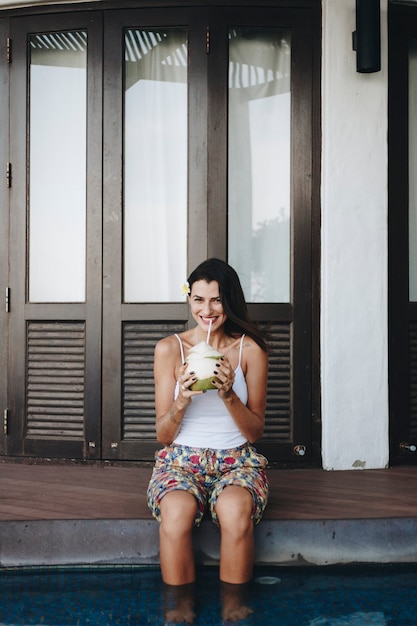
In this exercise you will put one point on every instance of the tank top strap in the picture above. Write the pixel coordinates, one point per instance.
(240, 349)
(181, 348)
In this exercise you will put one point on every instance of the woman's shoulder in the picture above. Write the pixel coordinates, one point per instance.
(171, 345)
(167, 346)
(252, 350)
(249, 342)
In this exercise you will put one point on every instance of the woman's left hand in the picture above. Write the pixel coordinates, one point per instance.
(224, 377)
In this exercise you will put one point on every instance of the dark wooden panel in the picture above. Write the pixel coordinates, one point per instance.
(413, 381)
(4, 219)
(279, 410)
(55, 386)
(138, 399)
(402, 344)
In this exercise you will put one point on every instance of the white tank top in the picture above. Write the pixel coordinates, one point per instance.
(207, 423)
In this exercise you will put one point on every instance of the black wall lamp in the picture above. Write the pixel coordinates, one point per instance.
(367, 36)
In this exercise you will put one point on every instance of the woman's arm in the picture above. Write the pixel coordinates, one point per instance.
(249, 418)
(169, 412)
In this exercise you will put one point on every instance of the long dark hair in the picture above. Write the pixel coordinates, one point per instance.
(232, 297)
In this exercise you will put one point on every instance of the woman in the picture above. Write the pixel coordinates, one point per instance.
(208, 460)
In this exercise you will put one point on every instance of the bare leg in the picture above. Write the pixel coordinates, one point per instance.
(179, 603)
(237, 550)
(178, 510)
(234, 599)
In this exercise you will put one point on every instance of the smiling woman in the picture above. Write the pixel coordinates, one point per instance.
(208, 461)
(206, 306)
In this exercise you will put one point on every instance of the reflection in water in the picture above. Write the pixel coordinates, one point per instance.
(279, 596)
(179, 603)
(235, 606)
(180, 600)
(270, 600)
(235, 600)
(359, 618)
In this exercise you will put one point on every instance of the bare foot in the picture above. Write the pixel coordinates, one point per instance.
(180, 616)
(179, 603)
(234, 608)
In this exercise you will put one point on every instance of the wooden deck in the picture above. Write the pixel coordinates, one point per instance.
(106, 492)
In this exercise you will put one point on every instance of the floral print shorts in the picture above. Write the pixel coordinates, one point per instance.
(205, 473)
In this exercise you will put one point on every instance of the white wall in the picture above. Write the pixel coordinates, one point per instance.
(354, 332)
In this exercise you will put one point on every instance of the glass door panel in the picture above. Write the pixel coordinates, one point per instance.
(259, 161)
(57, 166)
(155, 164)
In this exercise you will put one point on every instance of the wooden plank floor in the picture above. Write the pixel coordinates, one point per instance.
(49, 492)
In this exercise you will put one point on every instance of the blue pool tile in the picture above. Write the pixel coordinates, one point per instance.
(279, 596)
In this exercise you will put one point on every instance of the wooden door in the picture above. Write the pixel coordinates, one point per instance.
(126, 172)
(54, 373)
(402, 233)
(199, 42)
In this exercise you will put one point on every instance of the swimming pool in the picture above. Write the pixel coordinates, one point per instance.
(379, 595)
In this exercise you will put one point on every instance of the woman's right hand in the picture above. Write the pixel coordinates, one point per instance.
(169, 413)
(185, 380)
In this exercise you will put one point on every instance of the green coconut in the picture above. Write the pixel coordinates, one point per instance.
(201, 360)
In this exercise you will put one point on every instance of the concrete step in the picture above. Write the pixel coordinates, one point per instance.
(278, 542)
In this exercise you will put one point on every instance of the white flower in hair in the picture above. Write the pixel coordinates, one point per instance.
(185, 289)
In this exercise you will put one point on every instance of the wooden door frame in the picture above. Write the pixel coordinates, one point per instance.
(402, 26)
(4, 234)
(21, 310)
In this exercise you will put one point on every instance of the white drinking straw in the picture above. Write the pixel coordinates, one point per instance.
(209, 330)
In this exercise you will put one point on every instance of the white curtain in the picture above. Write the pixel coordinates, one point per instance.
(259, 162)
(155, 166)
(57, 167)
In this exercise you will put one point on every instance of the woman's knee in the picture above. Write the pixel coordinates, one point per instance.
(234, 509)
(178, 511)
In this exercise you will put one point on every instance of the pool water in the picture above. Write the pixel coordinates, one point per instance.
(377, 595)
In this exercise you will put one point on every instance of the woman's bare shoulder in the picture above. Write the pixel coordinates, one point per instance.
(168, 346)
(249, 343)
(252, 352)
